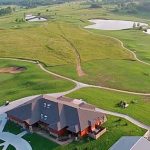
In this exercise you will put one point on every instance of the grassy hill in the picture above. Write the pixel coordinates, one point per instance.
(46, 43)
(60, 44)
(104, 61)
(32, 81)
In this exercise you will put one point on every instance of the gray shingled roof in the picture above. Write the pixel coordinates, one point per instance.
(131, 143)
(57, 113)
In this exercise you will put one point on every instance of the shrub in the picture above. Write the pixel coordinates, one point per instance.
(96, 5)
(134, 102)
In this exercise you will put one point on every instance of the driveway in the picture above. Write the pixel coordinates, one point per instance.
(3, 121)
(11, 139)
(16, 141)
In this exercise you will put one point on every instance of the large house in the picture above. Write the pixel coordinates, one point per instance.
(59, 116)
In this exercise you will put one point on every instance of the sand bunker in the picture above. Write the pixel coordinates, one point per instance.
(12, 70)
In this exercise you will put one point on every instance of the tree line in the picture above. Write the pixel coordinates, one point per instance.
(145, 6)
(32, 3)
(130, 6)
(7, 10)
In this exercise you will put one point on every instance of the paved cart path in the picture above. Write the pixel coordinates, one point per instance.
(16, 141)
(79, 85)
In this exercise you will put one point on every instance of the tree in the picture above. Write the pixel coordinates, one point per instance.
(144, 6)
(134, 25)
(145, 30)
(19, 20)
(39, 15)
(7, 10)
(32, 3)
(138, 24)
(96, 5)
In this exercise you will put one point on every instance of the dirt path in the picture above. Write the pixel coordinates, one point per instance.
(79, 69)
(78, 58)
(79, 85)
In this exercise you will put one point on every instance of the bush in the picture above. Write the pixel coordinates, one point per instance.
(19, 20)
(76, 148)
(134, 102)
(96, 5)
(126, 124)
(7, 10)
(118, 120)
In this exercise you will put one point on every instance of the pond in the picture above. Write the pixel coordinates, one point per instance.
(112, 24)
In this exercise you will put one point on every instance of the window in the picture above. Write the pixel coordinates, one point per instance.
(48, 105)
(44, 104)
(42, 116)
(45, 117)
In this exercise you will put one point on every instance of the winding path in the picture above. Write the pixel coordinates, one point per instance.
(15, 140)
(11, 139)
(134, 121)
(122, 45)
(78, 86)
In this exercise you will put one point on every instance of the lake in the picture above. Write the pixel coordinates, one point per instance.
(112, 24)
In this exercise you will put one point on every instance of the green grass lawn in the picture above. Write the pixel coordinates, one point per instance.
(103, 59)
(46, 44)
(120, 74)
(10, 147)
(116, 128)
(108, 100)
(135, 40)
(30, 82)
